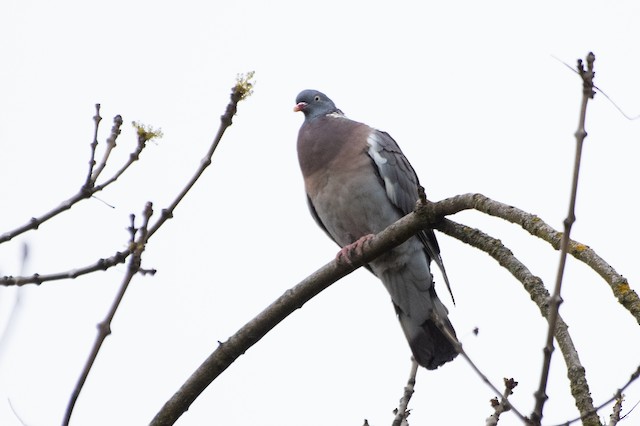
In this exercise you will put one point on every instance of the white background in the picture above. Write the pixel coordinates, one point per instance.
(471, 92)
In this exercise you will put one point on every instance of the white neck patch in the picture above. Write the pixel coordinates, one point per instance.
(336, 115)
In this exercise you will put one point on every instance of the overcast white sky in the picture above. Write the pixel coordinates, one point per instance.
(471, 92)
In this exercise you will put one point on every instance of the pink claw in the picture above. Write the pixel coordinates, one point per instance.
(344, 255)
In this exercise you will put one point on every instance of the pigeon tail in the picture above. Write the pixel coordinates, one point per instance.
(430, 347)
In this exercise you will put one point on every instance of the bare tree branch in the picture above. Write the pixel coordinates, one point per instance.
(617, 395)
(503, 404)
(94, 145)
(100, 265)
(294, 298)
(555, 301)
(240, 91)
(614, 418)
(104, 328)
(539, 294)
(110, 145)
(426, 216)
(402, 412)
(538, 228)
(87, 190)
(136, 246)
(144, 136)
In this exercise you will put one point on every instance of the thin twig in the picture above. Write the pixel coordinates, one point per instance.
(86, 190)
(111, 144)
(402, 412)
(555, 300)
(104, 328)
(100, 265)
(15, 413)
(597, 89)
(240, 91)
(503, 404)
(614, 418)
(618, 394)
(458, 345)
(143, 138)
(92, 159)
(631, 410)
(136, 246)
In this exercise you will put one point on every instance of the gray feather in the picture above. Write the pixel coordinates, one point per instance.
(401, 184)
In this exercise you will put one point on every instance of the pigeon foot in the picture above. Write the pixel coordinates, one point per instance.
(344, 255)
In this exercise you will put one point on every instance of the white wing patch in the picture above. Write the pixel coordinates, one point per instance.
(374, 152)
(375, 148)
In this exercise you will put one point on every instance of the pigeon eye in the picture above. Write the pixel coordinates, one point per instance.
(317, 98)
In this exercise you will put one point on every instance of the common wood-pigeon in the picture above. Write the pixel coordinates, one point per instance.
(358, 182)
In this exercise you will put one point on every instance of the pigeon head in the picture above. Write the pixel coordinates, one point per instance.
(314, 104)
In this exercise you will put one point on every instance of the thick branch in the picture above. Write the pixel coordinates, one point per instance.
(424, 217)
(292, 299)
(618, 395)
(538, 228)
(539, 294)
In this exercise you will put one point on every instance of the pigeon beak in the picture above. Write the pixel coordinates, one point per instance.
(300, 107)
